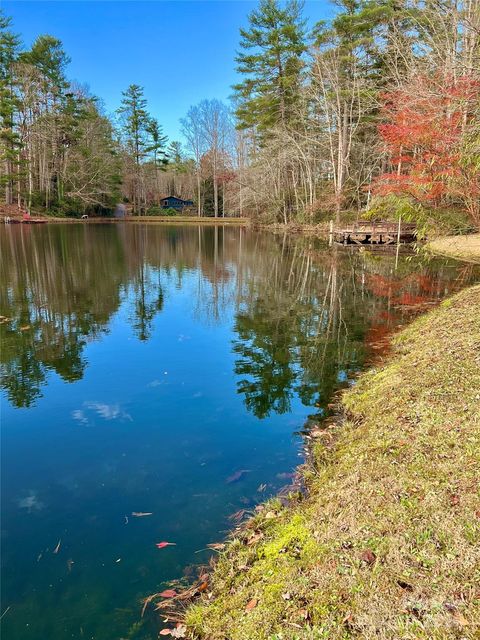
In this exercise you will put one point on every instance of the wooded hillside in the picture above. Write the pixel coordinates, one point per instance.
(376, 112)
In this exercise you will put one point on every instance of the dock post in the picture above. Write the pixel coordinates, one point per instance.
(398, 241)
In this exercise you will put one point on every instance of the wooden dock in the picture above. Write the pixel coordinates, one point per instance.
(378, 233)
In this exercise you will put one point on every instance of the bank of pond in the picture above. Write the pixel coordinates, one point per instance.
(158, 380)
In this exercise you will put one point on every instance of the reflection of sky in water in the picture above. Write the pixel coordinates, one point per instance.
(166, 372)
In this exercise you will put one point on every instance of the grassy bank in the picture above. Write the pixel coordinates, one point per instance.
(462, 247)
(387, 542)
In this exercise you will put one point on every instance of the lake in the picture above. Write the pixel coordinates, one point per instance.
(170, 371)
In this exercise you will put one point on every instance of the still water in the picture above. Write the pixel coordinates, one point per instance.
(169, 371)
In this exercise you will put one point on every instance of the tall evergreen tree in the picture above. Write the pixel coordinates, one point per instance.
(135, 122)
(271, 61)
(9, 138)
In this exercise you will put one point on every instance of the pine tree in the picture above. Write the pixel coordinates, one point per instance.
(271, 61)
(135, 121)
(9, 139)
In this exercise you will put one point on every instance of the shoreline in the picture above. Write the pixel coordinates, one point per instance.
(388, 534)
(466, 248)
(387, 537)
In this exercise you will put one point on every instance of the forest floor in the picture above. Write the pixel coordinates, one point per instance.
(385, 543)
(463, 247)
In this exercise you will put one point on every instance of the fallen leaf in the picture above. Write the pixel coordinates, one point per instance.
(254, 539)
(454, 500)
(238, 515)
(460, 619)
(404, 585)
(179, 632)
(165, 632)
(202, 586)
(302, 613)
(236, 476)
(162, 545)
(368, 556)
(251, 605)
(168, 593)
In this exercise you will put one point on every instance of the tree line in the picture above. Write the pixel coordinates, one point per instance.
(61, 153)
(375, 112)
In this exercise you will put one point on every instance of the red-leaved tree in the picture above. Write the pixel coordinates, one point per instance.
(431, 133)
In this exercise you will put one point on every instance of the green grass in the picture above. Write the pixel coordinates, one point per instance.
(387, 542)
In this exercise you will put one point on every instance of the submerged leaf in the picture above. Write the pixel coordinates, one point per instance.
(162, 545)
(237, 476)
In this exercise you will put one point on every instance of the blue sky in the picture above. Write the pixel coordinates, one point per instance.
(179, 51)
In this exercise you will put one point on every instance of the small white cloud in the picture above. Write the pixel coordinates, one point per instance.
(31, 502)
(79, 416)
(105, 411)
(156, 383)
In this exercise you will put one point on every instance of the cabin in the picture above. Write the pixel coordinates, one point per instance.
(172, 202)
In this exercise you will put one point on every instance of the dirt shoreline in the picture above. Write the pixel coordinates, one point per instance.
(465, 248)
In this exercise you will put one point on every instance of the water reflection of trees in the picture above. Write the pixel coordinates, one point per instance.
(316, 314)
(301, 313)
(57, 290)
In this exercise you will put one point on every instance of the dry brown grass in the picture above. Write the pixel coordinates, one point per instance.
(461, 247)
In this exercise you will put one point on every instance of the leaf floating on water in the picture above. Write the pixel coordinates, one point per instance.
(57, 548)
(162, 545)
(165, 632)
(238, 515)
(141, 514)
(118, 560)
(6, 611)
(179, 632)
(202, 587)
(168, 593)
(237, 476)
(251, 605)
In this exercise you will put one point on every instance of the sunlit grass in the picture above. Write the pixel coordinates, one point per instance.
(387, 543)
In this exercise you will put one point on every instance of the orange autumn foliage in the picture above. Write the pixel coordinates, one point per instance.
(430, 133)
